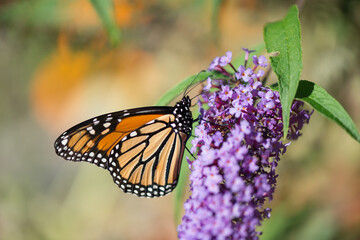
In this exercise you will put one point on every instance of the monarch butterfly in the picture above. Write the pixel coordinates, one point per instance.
(142, 148)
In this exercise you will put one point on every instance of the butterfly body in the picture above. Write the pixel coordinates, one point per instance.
(142, 148)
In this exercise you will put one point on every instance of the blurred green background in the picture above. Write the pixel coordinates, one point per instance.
(59, 66)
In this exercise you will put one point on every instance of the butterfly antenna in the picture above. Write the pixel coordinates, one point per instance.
(195, 96)
(196, 86)
(197, 75)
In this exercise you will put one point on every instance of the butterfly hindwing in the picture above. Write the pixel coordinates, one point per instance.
(147, 161)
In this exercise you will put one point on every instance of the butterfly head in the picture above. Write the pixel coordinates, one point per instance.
(183, 116)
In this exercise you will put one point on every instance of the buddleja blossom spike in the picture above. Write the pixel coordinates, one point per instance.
(238, 148)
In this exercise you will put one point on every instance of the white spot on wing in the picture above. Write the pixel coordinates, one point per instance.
(152, 121)
(106, 125)
(64, 142)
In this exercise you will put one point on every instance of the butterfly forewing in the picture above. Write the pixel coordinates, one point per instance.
(93, 139)
(142, 148)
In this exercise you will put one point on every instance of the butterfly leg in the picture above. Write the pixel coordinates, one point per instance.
(190, 152)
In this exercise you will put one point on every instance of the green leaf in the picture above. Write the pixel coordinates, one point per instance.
(284, 38)
(324, 103)
(180, 190)
(183, 85)
(104, 9)
(184, 176)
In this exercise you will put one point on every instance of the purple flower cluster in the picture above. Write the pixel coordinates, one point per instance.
(238, 144)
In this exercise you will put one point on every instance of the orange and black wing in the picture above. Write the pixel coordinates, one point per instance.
(147, 161)
(92, 140)
(139, 147)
